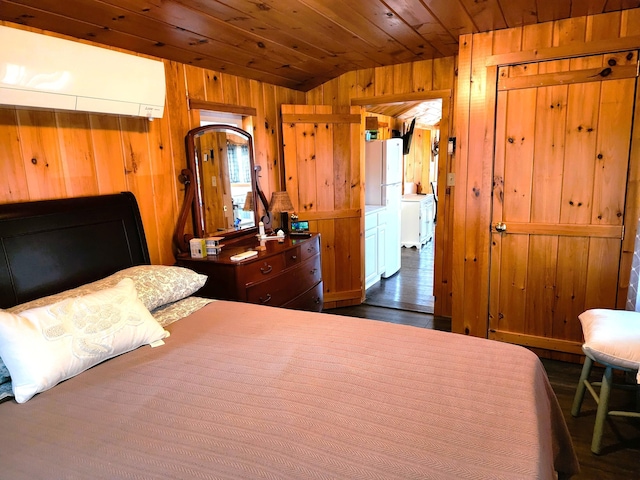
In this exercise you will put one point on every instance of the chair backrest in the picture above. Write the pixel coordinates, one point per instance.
(633, 302)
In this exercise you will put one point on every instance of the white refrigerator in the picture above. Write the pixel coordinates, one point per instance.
(383, 186)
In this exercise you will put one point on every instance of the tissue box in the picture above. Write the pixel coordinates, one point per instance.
(198, 248)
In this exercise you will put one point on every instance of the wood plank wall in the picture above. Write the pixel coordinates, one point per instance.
(48, 154)
(421, 76)
(418, 163)
(474, 112)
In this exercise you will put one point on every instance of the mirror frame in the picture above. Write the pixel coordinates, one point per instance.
(193, 191)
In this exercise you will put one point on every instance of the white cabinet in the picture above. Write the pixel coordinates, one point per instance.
(417, 220)
(374, 238)
(382, 239)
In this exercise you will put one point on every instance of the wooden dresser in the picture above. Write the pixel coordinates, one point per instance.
(286, 274)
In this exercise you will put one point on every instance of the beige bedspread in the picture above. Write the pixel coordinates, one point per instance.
(241, 391)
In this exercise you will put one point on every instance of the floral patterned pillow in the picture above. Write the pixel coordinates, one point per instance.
(157, 285)
(167, 314)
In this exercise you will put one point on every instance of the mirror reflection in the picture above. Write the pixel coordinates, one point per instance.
(222, 166)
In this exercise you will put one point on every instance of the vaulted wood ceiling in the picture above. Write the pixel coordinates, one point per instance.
(293, 43)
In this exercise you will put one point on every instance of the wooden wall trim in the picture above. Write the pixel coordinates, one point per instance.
(354, 213)
(567, 78)
(567, 230)
(443, 231)
(319, 118)
(343, 295)
(195, 104)
(567, 51)
(401, 97)
(632, 209)
(461, 159)
(534, 341)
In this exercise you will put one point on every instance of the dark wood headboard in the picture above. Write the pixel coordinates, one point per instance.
(53, 245)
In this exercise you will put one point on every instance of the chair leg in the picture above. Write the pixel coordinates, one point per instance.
(603, 409)
(584, 376)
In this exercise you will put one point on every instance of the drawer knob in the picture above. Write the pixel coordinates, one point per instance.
(266, 269)
(310, 249)
(294, 257)
(266, 299)
(313, 270)
(316, 300)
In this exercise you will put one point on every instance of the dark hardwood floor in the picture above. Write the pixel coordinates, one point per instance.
(412, 287)
(621, 456)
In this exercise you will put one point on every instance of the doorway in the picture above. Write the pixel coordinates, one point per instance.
(412, 287)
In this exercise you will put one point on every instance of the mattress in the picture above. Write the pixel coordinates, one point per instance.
(244, 391)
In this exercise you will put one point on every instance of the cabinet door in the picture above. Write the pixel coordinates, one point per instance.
(382, 243)
(424, 219)
(370, 257)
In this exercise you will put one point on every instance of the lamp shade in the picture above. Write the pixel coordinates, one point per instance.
(248, 202)
(280, 202)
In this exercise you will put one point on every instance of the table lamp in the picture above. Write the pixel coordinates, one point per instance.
(281, 203)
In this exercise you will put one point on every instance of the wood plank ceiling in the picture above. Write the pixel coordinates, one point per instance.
(298, 44)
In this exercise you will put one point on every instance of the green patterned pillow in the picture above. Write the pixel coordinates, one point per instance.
(157, 285)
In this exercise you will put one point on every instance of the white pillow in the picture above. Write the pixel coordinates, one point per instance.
(612, 336)
(46, 345)
(156, 285)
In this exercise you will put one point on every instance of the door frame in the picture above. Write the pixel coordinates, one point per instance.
(443, 235)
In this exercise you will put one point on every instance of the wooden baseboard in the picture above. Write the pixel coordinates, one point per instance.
(554, 344)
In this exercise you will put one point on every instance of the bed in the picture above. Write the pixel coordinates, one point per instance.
(239, 390)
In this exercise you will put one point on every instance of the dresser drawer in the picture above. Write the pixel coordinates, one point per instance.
(311, 300)
(261, 269)
(310, 248)
(293, 257)
(290, 283)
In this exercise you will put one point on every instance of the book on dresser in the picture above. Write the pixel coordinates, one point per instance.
(284, 273)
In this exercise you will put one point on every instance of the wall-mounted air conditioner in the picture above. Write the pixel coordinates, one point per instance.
(48, 72)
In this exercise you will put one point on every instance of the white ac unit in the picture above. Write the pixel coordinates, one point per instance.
(48, 72)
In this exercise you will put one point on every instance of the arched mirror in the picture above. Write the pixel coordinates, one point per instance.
(221, 184)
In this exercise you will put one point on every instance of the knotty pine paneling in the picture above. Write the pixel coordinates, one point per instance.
(417, 164)
(421, 76)
(47, 154)
(474, 116)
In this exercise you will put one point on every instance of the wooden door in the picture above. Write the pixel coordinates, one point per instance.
(563, 134)
(323, 176)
